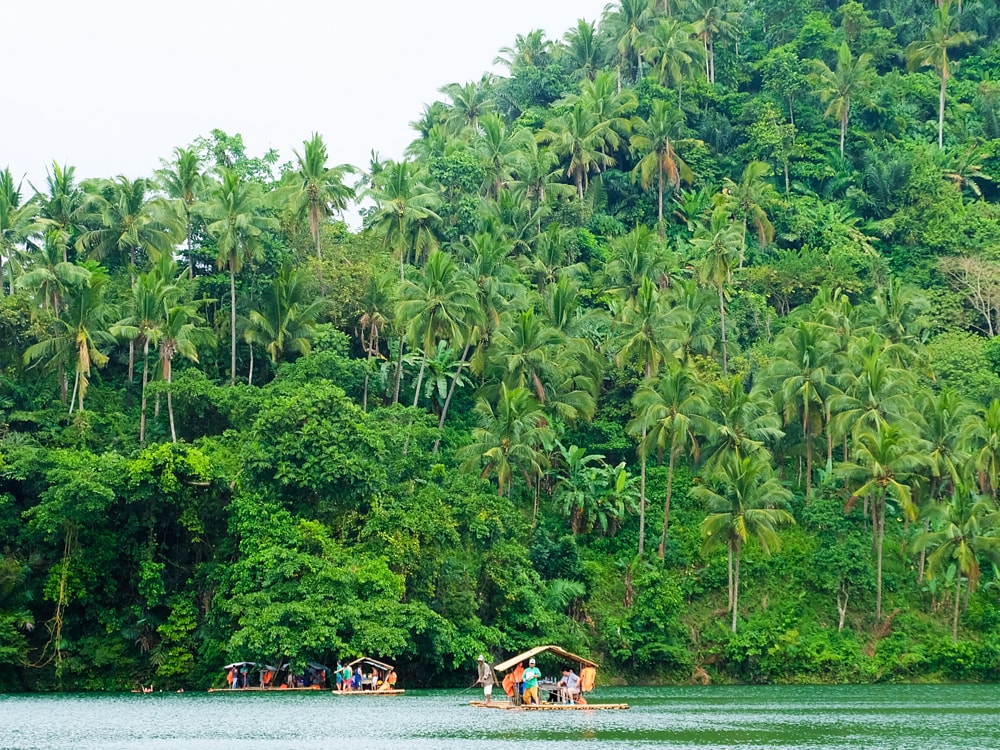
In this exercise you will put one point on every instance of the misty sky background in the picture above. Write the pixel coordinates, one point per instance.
(112, 86)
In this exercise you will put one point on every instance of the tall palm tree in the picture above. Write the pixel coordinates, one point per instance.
(626, 22)
(183, 180)
(932, 51)
(235, 212)
(509, 438)
(584, 48)
(404, 210)
(579, 140)
(672, 48)
(318, 190)
(750, 197)
(284, 322)
(884, 459)
(153, 294)
(968, 528)
(801, 374)
(713, 19)
(469, 102)
(530, 50)
(182, 333)
(744, 501)
(18, 223)
(719, 241)
(126, 221)
(78, 334)
(653, 142)
(742, 422)
(62, 202)
(672, 413)
(498, 148)
(842, 86)
(439, 305)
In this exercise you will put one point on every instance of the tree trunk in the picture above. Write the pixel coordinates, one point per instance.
(842, 597)
(451, 390)
(145, 380)
(76, 386)
(659, 199)
(399, 372)
(923, 554)
(722, 327)
(736, 581)
(944, 85)
(879, 531)
(958, 599)
(232, 321)
(642, 495)
(250, 371)
(420, 380)
(666, 505)
(843, 132)
(170, 402)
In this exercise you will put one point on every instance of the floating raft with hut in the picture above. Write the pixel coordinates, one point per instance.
(381, 681)
(587, 671)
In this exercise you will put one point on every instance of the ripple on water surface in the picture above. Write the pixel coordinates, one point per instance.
(881, 716)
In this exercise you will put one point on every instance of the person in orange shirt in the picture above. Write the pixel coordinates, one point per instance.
(518, 683)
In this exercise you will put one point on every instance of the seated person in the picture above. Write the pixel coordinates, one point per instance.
(569, 686)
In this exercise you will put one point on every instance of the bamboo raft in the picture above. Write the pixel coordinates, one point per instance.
(258, 689)
(508, 706)
(393, 691)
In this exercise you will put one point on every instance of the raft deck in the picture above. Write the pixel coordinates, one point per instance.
(394, 691)
(508, 706)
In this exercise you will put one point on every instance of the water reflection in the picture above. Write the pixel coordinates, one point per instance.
(881, 716)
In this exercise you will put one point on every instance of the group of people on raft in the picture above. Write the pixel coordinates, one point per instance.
(521, 685)
(348, 680)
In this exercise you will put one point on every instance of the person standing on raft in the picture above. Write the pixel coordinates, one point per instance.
(485, 678)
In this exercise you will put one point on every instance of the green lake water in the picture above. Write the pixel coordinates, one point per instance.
(880, 716)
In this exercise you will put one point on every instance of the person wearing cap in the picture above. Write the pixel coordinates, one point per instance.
(531, 677)
(485, 678)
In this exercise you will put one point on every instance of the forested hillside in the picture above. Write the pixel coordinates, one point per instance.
(675, 345)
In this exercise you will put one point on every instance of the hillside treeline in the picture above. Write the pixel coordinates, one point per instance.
(675, 344)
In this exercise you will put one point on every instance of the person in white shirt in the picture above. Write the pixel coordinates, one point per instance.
(569, 686)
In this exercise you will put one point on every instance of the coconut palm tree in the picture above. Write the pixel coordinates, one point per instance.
(78, 334)
(126, 223)
(18, 223)
(967, 529)
(578, 138)
(801, 373)
(932, 51)
(284, 321)
(674, 52)
(744, 501)
(153, 294)
(438, 305)
(184, 180)
(626, 23)
(654, 144)
(842, 86)
(182, 333)
(62, 202)
(884, 459)
(318, 190)
(749, 198)
(719, 240)
(404, 210)
(237, 221)
(741, 422)
(584, 48)
(509, 438)
(671, 411)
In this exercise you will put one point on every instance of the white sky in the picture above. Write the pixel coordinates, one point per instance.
(111, 86)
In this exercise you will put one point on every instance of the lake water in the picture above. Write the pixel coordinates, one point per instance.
(879, 716)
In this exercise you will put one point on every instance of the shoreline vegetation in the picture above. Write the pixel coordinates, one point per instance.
(675, 344)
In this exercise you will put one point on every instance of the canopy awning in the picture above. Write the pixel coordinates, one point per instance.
(371, 662)
(514, 660)
(317, 667)
(251, 664)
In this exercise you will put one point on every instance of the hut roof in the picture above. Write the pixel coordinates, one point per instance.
(371, 662)
(512, 661)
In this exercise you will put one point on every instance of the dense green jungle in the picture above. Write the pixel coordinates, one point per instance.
(675, 345)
